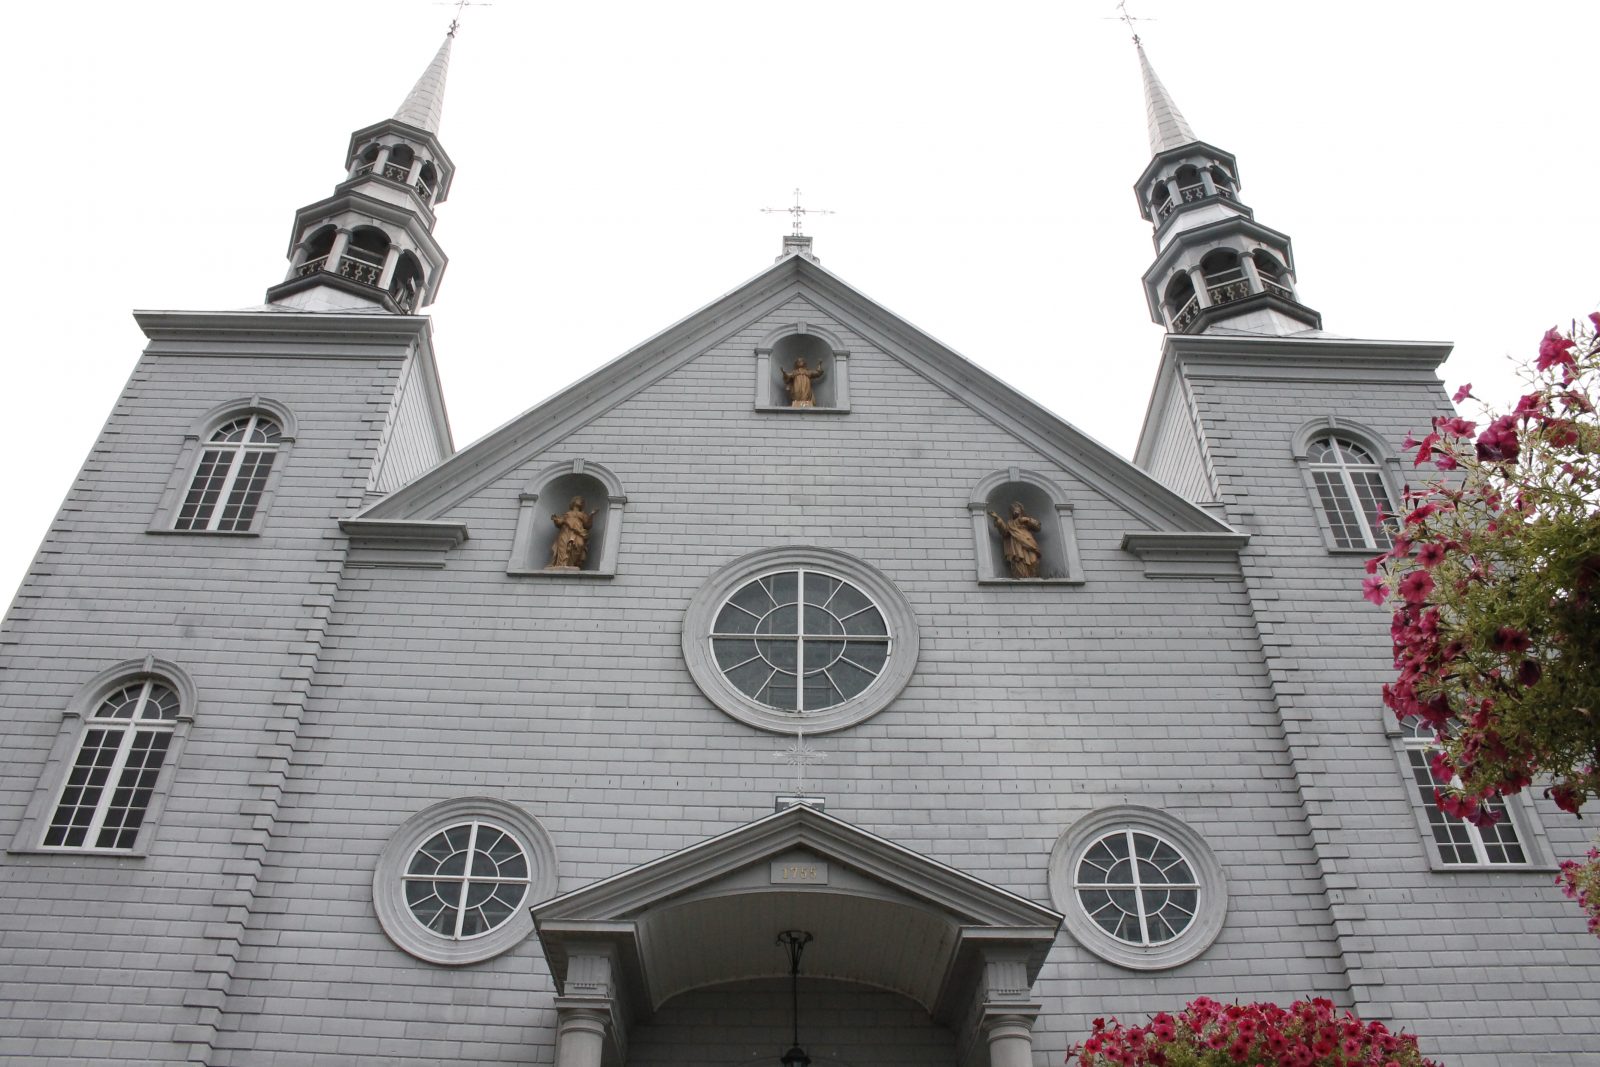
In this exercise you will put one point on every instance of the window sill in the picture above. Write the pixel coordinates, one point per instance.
(167, 530)
(1439, 867)
(546, 572)
(136, 853)
(785, 409)
(1031, 581)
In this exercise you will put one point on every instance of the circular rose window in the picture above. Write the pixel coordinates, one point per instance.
(1137, 887)
(800, 638)
(466, 880)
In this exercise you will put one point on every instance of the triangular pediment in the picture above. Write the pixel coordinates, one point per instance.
(1151, 507)
(880, 914)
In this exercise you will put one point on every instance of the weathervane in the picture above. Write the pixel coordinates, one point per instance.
(797, 211)
(455, 23)
(800, 757)
(1129, 20)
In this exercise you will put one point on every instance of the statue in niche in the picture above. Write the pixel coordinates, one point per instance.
(571, 547)
(1019, 542)
(798, 383)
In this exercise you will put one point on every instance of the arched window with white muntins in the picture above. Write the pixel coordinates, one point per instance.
(1348, 481)
(1456, 842)
(225, 492)
(108, 790)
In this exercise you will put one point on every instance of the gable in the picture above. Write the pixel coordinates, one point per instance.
(792, 287)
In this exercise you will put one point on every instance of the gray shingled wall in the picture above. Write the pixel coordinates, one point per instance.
(118, 959)
(570, 698)
(1490, 966)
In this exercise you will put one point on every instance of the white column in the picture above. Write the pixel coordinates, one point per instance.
(1010, 1040)
(341, 241)
(1205, 180)
(1248, 262)
(388, 267)
(1197, 278)
(580, 1036)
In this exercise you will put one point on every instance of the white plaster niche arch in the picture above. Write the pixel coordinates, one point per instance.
(551, 493)
(822, 350)
(1043, 500)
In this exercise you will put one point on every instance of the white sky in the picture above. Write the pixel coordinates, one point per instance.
(1435, 164)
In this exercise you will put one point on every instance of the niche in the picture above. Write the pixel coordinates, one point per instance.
(821, 384)
(1041, 501)
(552, 494)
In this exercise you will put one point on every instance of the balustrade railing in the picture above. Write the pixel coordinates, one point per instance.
(1186, 314)
(396, 174)
(1276, 289)
(425, 191)
(1191, 193)
(363, 170)
(1228, 291)
(356, 270)
(311, 266)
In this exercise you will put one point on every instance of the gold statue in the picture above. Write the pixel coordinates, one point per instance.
(571, 547)
(1018, 543)
(798, 383)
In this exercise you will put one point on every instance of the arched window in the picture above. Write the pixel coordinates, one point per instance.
(399, 166)
(226, 490)
(107, 792)
(1182, 304)
(427, 182)
(406, 286)
(1453, 842)
(364, 255)
(1349, 486)
(1190, 187)
(1274, 278)
(111, 765)
(1225, 278)
(365, 160)
(317, 247)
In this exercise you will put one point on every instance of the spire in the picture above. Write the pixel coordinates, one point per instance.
(1168, 127)
(425, 103)
(370, 245)
(1215, 265)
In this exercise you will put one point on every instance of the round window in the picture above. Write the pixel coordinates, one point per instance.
(467, 880)
(800, 638)
(1138, 887)
(453, 885)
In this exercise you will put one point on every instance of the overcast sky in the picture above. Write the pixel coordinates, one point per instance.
(1434, 163)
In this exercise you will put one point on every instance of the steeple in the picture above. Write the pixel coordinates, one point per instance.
(370, 245)
(1214, 263)
(1168, 127)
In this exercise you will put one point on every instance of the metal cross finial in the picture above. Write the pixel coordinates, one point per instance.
(455, 23)
(1128, 20)
(797, 211)
(800, 757)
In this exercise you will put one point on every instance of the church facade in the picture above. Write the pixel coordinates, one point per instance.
(329, 743)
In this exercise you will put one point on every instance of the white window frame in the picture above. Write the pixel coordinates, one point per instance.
(77, 719)
(1517, 812)
(195, 444)
(884, 594)
(388, 881)
(1385, 464)
(1211, 904)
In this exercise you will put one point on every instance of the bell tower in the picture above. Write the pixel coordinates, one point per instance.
(371, 244)
(1215, 264)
